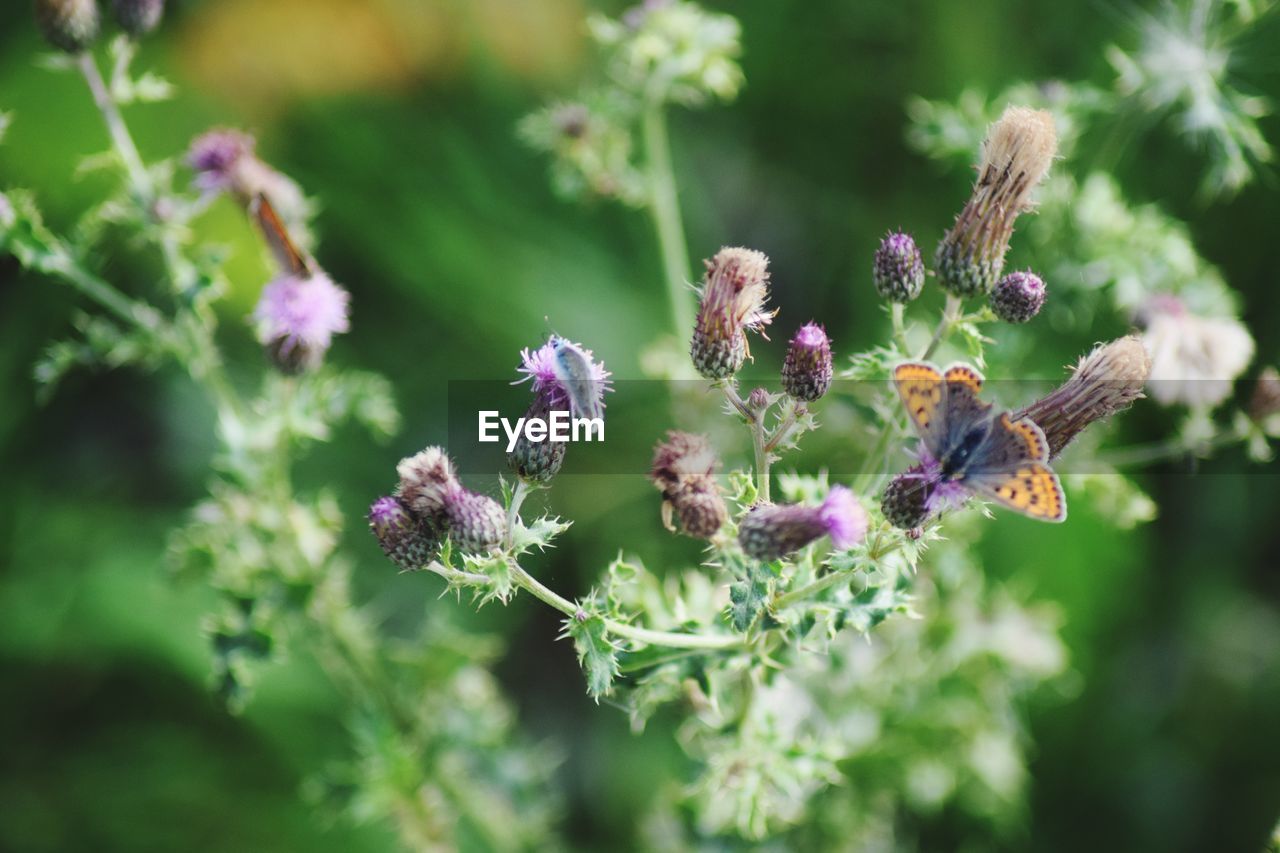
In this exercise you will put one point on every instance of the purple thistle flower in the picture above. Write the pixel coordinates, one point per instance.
(297, 318)
(552, 366)
(733, 295)
(770, 532)
(215, 156)
(919, 492)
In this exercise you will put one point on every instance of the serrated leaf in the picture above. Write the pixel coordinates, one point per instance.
(537, 535)
(597, 653)
(747, 598)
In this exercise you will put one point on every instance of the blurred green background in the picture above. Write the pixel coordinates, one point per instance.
(399, 116)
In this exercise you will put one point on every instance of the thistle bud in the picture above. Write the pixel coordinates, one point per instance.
(1015, 157)
(537, 461)
(297, 318)
(734, 292)
(410, 542)
(758, 400)
(684, 470)
(1265, 401)
(770, 532)
(1105, 381)
(425, 480)
(137, 17)
(898, 270)
(905, 502)
(476, 523)
(1018, 297)
(69, 25)
(806, 372)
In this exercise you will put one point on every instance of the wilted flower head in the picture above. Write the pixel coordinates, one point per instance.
(1015, 156)
(1106, 381)
(68, 25)
(567, 375)
(684, 470)
(409, 541)
(898, 270)
(1194, 359)
(734, 292)
(297, 318)
(770, 532)
(1018, 297)
(137, 17)
(807, 371)
(425, 479)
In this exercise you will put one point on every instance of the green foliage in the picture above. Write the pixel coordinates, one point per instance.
(597, 652)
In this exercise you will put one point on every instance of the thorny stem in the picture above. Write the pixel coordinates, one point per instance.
(121, 140)
(950, 314)
(664, 208)
(518, 495)
(670, 639)
(797, 410)
(759, 441)
(830, 579)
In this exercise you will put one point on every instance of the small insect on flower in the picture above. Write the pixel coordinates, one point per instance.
(968, 445)
(568, 375)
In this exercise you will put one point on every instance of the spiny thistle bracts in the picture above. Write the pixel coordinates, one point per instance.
(919, 492)
(1106, 381)
(734, 292)
(297, 318)
(1016, 155)
(537, 462)
(807, 370)
(684, 470)
(898, 270)
(771, 532)
(476, 523)
(1018, 297)
(406, 539)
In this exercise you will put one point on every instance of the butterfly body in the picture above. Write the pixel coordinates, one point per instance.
(573, 368)
(987, 453)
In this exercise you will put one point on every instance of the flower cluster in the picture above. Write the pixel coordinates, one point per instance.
(430, 491)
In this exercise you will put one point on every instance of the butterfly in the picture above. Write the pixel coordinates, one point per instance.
(990, 455)
(276, 234)
(579, 376)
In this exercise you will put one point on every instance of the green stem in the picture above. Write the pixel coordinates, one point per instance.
(521, 492)
(830, 579)
(950, 314)
(669, 639)
(897, 312)
(1159, 451)
(759, 442)
(121, 140)
(664, 208)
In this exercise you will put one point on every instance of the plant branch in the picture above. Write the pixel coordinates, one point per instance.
(664, 208)
(950, 314)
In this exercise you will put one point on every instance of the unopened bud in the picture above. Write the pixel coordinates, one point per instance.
(1018, 297)
(807, 371)
(137, 17)
(408, 541)
(476, 523)
(69, 25)
(898, 270)
(537, 461)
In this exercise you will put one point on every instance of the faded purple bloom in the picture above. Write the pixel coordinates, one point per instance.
(919, 492)
(770, 532)
(297, 318)
(567, 376)
(216, 155)
(733, 295)
(807, 370)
